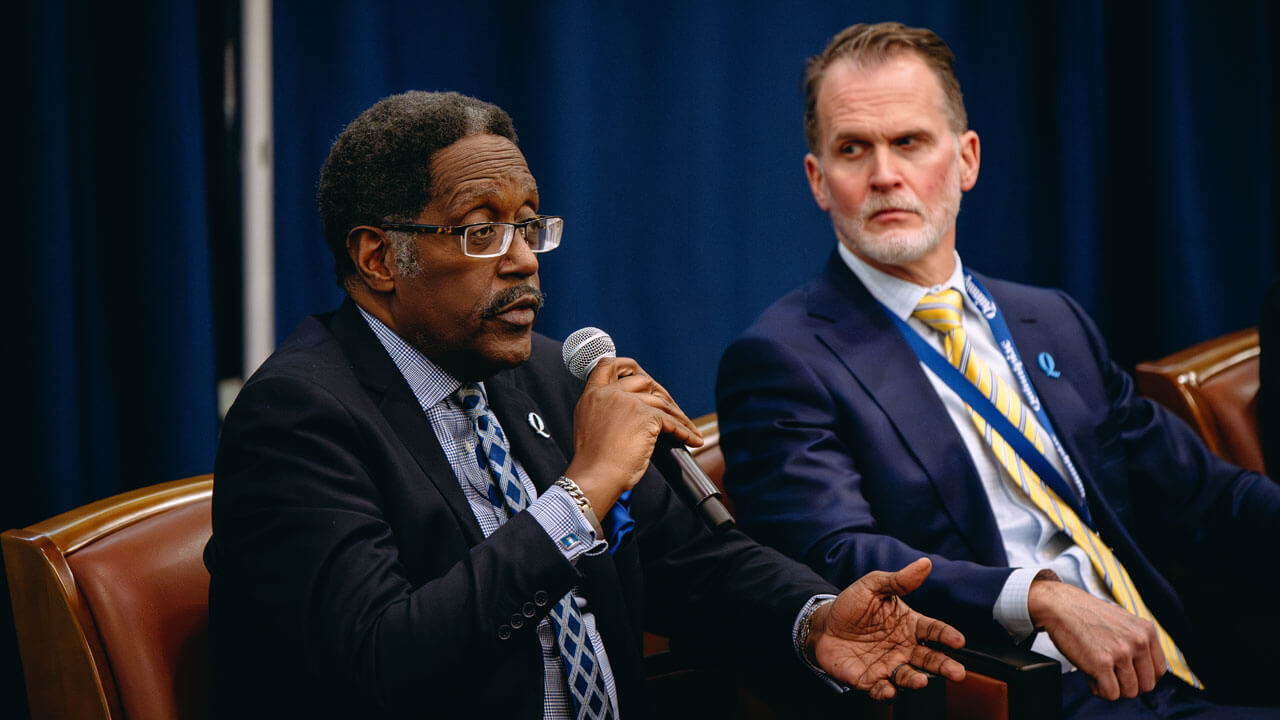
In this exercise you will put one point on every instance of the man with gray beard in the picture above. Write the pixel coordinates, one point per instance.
(901, 404)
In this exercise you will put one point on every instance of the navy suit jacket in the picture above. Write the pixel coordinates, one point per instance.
(351, 579)
(839, 452)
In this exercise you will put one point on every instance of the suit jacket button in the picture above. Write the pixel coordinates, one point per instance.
(504, 632)
(540, 597)
(517, 620)
(528, 609)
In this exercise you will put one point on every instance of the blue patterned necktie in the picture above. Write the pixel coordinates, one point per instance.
(586, 682)
(942, 312)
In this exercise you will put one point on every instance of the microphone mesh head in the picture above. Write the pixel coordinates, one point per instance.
(584, 348)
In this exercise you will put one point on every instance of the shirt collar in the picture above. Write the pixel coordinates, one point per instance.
(900, 296)
(430, 384)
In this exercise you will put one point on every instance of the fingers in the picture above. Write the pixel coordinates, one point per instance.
(951, 670)
(1105, 686)
(937, 631)
(1159, 664)
(605, 372)
(1145, 673)
(937, 663)
(909, 578)
(1127, 679)
(899, 583)
(905, 677)
(1141, 673)
(630, 378)
(882, 690)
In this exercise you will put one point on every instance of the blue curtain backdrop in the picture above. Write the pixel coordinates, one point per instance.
(1128, 153)
(1128, 156)
(112, 382)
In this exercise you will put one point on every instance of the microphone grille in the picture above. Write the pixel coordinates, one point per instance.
(584, 348)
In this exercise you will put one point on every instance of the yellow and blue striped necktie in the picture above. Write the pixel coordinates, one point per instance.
(942, 312)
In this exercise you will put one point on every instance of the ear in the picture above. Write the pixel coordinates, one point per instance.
(970, 159)
(817, 182)
(370, 252)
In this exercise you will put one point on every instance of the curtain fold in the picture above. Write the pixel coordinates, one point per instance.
(116, 376)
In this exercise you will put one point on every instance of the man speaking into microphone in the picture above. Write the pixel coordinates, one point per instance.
(417, 507)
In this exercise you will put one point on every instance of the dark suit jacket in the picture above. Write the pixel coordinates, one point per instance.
(350, 578)
(840, 452)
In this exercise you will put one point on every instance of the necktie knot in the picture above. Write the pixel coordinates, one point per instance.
(940, 311)
(471, 399)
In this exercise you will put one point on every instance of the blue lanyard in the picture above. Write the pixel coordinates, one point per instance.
(975, 399)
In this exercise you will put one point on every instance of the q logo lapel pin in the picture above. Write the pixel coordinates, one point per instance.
(1047, 365)
(539, 427)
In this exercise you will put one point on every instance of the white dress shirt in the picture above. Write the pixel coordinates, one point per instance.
(1031, 541)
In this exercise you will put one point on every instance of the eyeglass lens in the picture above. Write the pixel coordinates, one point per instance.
(492, 239)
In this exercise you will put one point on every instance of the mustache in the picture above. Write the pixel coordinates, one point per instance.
(512, 295)
(880, 204)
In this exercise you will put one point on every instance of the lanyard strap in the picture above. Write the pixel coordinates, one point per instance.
(1000, 330)
(982, 405)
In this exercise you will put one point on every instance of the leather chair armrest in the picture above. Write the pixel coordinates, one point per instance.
(1027, 683)
(927, 703)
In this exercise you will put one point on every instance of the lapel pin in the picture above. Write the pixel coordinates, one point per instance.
(539, 427)
(1046, 364)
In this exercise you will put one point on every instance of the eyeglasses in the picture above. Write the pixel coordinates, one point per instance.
(493, 239)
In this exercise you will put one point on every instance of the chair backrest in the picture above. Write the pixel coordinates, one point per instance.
(110, 603)
(710, 457)
(1214, 387)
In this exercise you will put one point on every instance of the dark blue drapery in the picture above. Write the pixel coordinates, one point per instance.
(1128, 155)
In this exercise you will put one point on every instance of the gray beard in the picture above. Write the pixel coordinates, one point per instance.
(899, 247)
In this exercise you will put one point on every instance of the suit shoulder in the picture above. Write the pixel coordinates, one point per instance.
(1022, 295)
(784, 316)
(310, 350)
(1014, 289)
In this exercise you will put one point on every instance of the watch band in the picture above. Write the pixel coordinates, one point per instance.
(583, 504)
(806, 626)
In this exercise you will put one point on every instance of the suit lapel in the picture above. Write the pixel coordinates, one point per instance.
(1058, 395)
(868, 343)
(520, 419)
(380, 376)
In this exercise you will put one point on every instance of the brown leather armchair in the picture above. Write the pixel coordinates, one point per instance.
(110, 602)
(1214, 387)
(1001, 682)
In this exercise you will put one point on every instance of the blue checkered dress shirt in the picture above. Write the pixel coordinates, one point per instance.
(554, 510)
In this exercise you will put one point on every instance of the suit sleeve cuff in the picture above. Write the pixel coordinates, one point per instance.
(799, 632)
(565, 524)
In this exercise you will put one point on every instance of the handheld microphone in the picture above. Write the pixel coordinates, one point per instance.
(582, 350)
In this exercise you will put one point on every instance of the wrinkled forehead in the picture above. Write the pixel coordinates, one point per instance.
(900, 85)
(477, 168)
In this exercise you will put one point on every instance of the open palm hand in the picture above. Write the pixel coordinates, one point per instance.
(870, 639)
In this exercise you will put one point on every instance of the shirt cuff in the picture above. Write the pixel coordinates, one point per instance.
(1011, 605)
(798, 642)
(564, 523)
